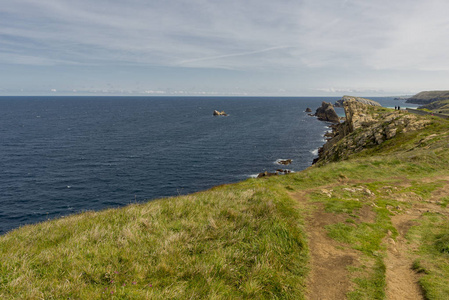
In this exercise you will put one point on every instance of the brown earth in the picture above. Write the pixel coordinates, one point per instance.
(402, 281)
(330, 259)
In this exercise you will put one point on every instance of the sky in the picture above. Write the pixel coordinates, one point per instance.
(223, 47)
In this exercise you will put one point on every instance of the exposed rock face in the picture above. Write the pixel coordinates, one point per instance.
(365, 126)
(326, 112)
(340, 102)
(308, 109)
(218, 113)
(358, 114)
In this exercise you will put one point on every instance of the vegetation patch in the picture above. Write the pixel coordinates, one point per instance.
(371, 283)
(424, 190)
(432, 236)
(236, 241)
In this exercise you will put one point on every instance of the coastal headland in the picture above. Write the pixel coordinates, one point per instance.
(368, 220)
(436, 102)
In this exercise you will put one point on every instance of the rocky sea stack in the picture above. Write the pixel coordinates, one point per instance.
(220, 113)
(326, 112)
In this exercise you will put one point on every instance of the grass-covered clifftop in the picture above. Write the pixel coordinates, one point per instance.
(427, 97)
(432, 101)
(365, 224)
(440, 107)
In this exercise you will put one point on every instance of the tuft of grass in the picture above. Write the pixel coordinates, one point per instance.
(432, 236)
(371, 285)
(442, 243)
(423, 189)
(444, 201)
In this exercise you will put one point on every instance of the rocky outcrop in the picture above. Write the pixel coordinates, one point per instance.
(428, 97)
(308, 110)
(269, 174)
(284, 162)
(340, 102)
(326, 112)
(366, 126)
(220, 113)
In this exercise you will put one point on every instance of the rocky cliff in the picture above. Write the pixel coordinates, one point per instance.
(366, 126)
(340, 102)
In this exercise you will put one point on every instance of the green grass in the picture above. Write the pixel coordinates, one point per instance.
(444, 201)
(432, 236)
(232, 242)
(370, 285)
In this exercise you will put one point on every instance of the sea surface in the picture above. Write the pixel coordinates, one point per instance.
(64, 155)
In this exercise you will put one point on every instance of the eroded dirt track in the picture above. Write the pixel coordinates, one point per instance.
(328, 277)
(402, 281)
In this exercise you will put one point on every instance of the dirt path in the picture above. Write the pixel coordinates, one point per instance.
(328, 277)
(402, 281)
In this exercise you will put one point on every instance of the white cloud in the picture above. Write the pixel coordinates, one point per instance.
(418, 41)
(307, 39)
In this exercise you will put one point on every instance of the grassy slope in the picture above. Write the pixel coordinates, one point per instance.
(441, 107)
(429, 96)
(245, 240)
(232, 241)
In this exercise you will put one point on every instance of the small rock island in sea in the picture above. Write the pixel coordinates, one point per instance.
(218, 113)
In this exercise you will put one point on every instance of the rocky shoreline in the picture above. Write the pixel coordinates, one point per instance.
(359, 113)
(364, 127)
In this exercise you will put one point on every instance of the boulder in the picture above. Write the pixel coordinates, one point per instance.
(308, 109)
(286, 171)
(326, 112)
(266, 174)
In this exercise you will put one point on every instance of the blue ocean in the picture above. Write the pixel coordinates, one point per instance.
(64, 155)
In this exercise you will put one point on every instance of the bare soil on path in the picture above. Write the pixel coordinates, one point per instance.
(330, 259)
(402, 281)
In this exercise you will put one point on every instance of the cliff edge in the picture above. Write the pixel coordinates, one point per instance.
(365, 126)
